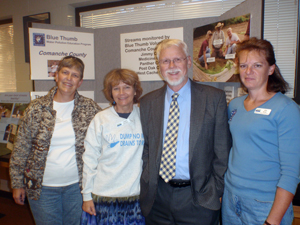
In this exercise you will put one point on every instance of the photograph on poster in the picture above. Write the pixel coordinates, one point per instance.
(48, 47)
(5, 120)
(12, 136)
(214, 47)
(5, 109)
(137, 50)
(19, 110)
(229, 92)
(52, 67)
(6, 132)
(12, 107)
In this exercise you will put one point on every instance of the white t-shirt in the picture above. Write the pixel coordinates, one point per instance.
(61, 166)
(234, 37)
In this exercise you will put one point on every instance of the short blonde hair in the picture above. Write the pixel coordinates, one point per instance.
(127, 76)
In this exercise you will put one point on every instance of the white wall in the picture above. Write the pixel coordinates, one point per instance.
(62, 12)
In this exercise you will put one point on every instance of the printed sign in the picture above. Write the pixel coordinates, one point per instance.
(48, 47)
(137, 51)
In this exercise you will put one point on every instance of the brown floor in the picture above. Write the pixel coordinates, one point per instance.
(14, 214)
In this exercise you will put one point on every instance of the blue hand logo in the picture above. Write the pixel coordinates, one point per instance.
(113, 144)
(112, 140)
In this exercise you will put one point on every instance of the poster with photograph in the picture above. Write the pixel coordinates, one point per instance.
(214, 47)
(13, 128)
(48, 47)
(229, 92)
(137, 51)
(12, 107)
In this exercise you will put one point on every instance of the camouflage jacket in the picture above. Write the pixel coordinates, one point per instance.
(28, 158)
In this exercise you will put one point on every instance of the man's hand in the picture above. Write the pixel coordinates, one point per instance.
(19, 195)
(89, 207)
(206, 66)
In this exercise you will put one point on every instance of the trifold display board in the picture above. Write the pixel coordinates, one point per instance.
(107, 44)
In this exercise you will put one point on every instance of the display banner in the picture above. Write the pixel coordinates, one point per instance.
(137, 51)
(48, 47)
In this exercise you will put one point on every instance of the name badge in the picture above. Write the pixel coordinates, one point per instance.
(262, 111)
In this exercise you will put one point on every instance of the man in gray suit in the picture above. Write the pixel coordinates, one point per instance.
(193, 195)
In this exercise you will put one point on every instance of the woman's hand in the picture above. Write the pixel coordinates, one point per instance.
(89, 207)
(281, 203)
(19, 195)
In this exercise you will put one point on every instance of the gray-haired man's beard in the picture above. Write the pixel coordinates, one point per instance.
(177, 82)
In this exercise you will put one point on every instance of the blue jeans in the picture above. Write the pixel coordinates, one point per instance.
(207, 53)
(58, 205)
(231, 49)
(243, 211)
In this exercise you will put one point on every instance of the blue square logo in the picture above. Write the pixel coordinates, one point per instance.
(38, 39)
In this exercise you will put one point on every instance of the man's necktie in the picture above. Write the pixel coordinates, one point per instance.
(168, 159)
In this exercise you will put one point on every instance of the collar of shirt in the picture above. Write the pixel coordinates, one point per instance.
(184, 92)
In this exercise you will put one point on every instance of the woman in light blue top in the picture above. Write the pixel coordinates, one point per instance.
(264, 162)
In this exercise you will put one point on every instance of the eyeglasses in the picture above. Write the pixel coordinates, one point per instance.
(176, 61)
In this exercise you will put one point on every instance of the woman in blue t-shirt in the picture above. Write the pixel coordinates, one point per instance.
(263, 169)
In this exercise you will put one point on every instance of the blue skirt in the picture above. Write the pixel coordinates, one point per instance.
(115, 211)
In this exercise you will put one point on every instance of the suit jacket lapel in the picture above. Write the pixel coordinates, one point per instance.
(157, 107)
(198, 105)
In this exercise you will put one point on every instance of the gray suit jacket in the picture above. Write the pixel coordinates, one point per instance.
(209, 145)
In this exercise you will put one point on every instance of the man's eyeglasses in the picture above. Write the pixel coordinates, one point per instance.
(167, 62)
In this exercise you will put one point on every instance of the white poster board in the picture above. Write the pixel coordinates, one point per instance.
(88, 94)
(137, 50)
(37, 94)
(47, 47)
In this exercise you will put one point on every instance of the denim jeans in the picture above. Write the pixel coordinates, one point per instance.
(207, 53)
(238, 210)
(231, 49)
(58, 205)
